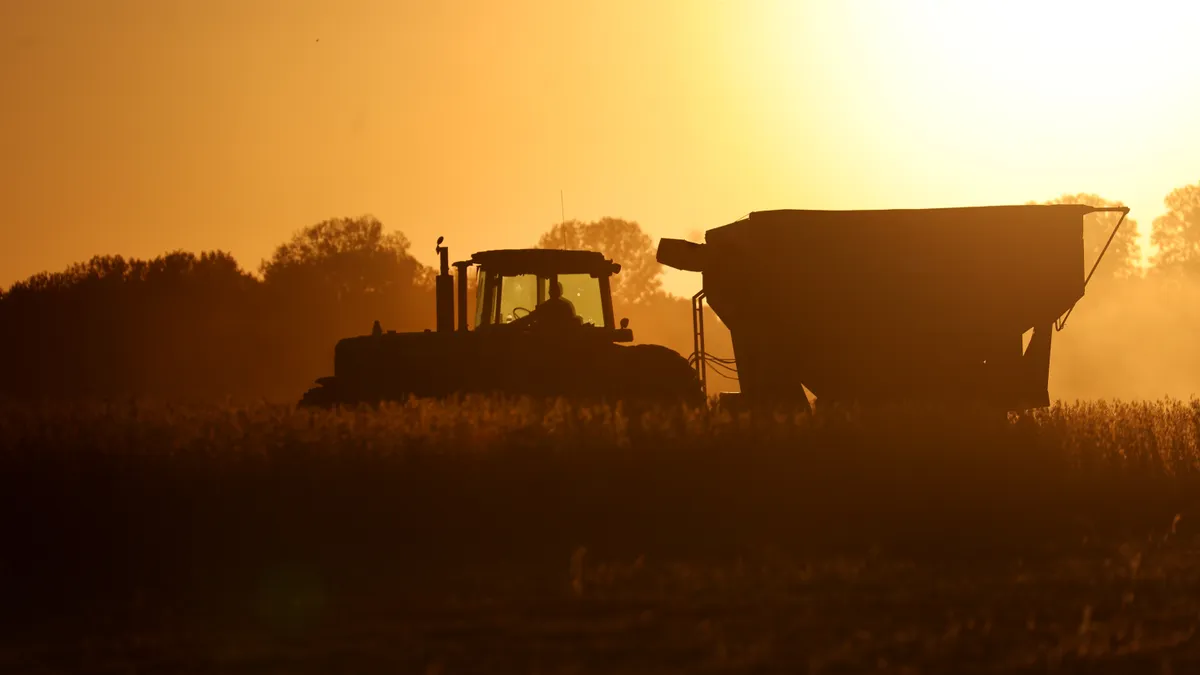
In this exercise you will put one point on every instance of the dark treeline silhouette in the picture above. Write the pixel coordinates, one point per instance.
(112, 325)
(200, 327)
(187, 326)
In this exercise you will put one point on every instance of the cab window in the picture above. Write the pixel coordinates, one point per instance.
(520, 291)
(583, 291)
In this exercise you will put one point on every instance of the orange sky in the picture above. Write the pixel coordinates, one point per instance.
(141, 126)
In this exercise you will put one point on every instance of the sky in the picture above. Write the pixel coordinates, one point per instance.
(137, 127)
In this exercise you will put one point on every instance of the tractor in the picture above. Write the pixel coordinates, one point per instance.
(517, 346)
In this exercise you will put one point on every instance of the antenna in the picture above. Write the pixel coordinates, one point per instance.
(562, 210)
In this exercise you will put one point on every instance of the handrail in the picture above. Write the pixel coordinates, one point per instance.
(1124, 210)
(698, 340)
(1110, 209)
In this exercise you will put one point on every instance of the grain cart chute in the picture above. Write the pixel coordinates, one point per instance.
(887, 305)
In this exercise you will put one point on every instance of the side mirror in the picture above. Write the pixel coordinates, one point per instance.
(624, 324)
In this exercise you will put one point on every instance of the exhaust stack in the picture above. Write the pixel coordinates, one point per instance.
(445, 291)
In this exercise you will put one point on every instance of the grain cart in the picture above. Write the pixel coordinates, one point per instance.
(509, 350)
(947, 305)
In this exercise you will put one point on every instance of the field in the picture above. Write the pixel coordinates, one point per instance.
(500, 536)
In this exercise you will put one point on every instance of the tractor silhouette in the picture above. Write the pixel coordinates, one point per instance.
(543, 326)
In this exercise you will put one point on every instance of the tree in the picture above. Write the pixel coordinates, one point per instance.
(349, 270)
(346, 256)
(1123, 258)
(625, 243)
(1176, 233)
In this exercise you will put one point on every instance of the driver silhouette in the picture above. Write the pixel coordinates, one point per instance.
(556, 310)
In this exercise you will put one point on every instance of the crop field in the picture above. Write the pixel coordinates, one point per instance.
(485, 535)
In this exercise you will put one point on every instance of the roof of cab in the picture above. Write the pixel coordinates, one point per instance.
(544, 261)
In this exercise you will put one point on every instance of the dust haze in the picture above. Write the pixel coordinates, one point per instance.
(1133, 340)
(1133, 335)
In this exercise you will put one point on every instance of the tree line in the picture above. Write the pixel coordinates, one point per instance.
(200, 327)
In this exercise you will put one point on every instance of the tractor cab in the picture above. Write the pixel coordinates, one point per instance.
(515, 287)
